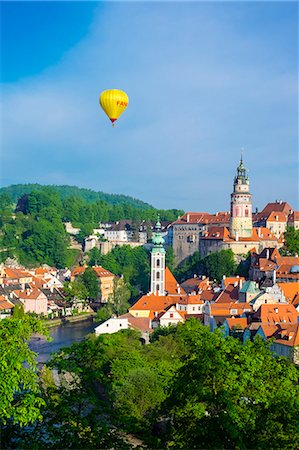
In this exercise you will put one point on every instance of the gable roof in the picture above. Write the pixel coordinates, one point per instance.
(238, 322)
(171, 284)
(139, 323)
(32, 293)
(277, 206)
(272, 314)
(228, 295)
(290, 290)
(5, 303)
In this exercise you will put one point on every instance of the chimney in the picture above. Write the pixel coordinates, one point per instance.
(274, 276)
(276, 310)
(237, 236)
(267, 254)
(195, 276)
(188, 217)
(259, 232)
(241, 283)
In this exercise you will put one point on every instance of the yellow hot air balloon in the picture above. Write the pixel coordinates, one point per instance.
(114, 102)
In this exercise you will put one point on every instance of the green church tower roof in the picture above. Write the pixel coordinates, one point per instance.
(158, 240)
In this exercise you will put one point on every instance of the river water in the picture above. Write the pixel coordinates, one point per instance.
(62, 336)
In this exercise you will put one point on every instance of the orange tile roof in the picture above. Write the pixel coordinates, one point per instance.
(153, 302)
(208, 295)
(171, 284)
(290, 290)
(295, 301)
(5, 303)
(32, 293)
(194, 300)
(276, 313)
(101, 272)
(41, 271)
(78, 270)
(277, 206)
(195, 283)
(268, 330)
(288, 335)
(240, 322)
(139, 323)
(225, 309)
(231, 280)
(277, 216)
(222, 234)
(228, 295)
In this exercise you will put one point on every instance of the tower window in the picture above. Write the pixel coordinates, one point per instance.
(158, 262)
(158, 287)
(158, 275)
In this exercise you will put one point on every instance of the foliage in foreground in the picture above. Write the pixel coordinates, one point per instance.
(21, 398)
(188, 388)
(191, 388)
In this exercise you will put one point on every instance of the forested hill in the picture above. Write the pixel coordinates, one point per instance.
(15, 191)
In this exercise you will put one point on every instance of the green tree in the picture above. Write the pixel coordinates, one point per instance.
(291, 242)
(76, 290)
(118, 301)
(170, 258)
(21, 399)
(90, 280)
(219, 263)
(230, 395)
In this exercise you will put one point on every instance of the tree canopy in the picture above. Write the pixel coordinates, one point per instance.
(21, 398)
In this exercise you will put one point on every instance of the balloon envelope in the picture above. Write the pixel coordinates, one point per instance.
(114, 102)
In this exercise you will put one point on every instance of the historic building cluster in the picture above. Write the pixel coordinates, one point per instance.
(239, 230)
(265, 305)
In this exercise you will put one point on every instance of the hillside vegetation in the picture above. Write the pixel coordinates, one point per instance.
(15, 191)
(32, 226)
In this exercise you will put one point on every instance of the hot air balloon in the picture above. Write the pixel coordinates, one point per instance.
(114, 102)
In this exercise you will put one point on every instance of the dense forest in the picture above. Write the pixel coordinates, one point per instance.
(188, 388)
(32, 229)
(16, 191)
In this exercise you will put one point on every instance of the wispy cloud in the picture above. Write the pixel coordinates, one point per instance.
(203, 80)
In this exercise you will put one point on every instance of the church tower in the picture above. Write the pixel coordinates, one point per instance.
(158, 262)
(241, 205)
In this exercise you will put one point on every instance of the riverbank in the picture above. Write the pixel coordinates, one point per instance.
(68, 319)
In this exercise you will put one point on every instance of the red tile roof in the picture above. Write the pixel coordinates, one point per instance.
(32, 293)
(5, 303)
(238, 322)
(232, 280)
(171, 284)
(229, 294)
(229, 309)
(277, 206)
(290, 290)
(272, 314)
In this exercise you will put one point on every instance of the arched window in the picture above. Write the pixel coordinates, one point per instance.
(158, 262)
(158, 275)
(158, 288)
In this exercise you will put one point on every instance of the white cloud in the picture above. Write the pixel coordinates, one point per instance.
(200, 87)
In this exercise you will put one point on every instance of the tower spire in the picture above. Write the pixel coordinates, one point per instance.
(158, 261)
(241, 204)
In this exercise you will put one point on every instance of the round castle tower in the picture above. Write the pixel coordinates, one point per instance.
(241, 205)
(158, 262)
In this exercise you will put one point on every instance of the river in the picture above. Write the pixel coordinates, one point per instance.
(62, 336)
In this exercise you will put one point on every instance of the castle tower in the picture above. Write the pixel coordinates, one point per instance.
(158, 262)
(241, 205)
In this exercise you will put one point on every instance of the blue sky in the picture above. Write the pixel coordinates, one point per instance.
(204, 79)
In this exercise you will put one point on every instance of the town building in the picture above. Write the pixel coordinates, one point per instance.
(105, 278)
(233, 230)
